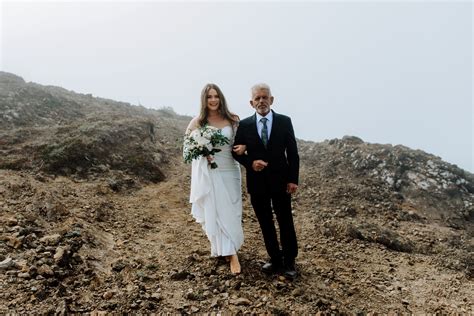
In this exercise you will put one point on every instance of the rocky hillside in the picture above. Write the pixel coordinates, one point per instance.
(438, 190)
(61, 132)
(95, 219)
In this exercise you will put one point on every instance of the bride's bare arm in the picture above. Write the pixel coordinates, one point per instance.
(192, 125)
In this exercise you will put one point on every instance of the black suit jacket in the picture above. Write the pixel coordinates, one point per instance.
(281, 154)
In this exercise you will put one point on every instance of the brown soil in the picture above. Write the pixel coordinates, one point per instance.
(142, 251)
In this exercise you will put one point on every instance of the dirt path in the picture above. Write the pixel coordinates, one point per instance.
(142, 251)
(334, 275)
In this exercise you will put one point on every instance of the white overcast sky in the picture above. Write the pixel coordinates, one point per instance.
(397, 72)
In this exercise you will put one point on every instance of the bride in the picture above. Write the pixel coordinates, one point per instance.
(216, 195)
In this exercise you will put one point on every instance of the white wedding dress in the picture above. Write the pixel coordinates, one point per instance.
(216, 198)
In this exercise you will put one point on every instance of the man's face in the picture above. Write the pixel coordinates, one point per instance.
(261, 101)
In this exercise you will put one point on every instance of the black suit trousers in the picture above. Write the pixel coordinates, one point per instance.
(264, 206)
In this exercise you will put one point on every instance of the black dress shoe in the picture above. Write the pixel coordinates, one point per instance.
(290, 272)
(270, 268)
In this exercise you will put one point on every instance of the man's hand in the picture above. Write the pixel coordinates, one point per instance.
(258, 165)
(291, 188)
(210, 158)
(239, 149)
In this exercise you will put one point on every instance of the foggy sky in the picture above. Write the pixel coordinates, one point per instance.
(397, 72)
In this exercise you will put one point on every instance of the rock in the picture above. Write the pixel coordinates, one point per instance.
(195, 257)
(240, 301)
(118, 265)
(62, 308)
(108, 295)
(32, 270)
(215, 302)
(352, 139)
(24, 275)
(190, 295)
(297, 292)
(45, 270)
(156, 297)
(13, 242)
(12, 221)
(179, 276)
(7, 264)
(50, 240)
(60, 257)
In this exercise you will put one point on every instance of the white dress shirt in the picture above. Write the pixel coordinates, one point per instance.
(269, 118)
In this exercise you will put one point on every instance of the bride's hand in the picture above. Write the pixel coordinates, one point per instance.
(239, 149)
(210, 158)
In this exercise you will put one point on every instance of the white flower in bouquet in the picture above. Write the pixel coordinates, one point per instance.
(202, 142)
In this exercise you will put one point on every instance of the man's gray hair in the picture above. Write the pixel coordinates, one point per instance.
(261, 86)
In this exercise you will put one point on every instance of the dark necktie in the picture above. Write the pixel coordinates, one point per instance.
(264, 131)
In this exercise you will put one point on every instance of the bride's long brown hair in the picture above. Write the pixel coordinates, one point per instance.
(223, 108)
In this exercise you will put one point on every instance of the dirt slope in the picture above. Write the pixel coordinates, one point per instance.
(141, 251)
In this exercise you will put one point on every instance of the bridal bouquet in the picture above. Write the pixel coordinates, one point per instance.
(202, 142)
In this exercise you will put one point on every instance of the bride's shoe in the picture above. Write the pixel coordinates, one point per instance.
(234, 264)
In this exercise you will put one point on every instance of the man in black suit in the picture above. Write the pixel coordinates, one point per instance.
(272, 164)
